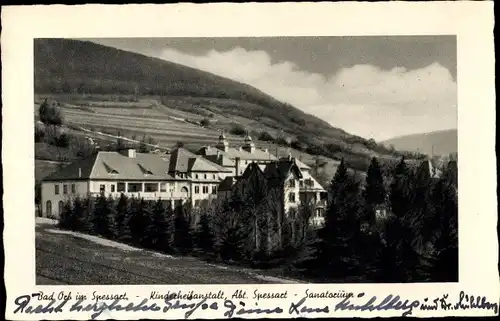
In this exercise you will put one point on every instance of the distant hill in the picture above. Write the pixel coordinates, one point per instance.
(444, 142)
(97, 85)
(67, 66)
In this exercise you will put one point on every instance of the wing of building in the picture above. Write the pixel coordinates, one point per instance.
(180, 176)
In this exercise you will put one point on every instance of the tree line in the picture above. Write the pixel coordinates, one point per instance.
(404, 231)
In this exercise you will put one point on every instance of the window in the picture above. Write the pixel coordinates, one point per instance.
(205, 176)
(163, 187)
(102, 188)
(48, 208)
(214, 176)
(214, 190)
(196, 176)
(301, 183)
(56, 189)
(61, 207)
(120, 187)
(112, 188)
(292, 183)
(73, 189)
(65, 189)
(291, 197)
(197, 190)
(205, 189)
(134, 187)
(151, 187)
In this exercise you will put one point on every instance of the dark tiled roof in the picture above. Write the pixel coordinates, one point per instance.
(74, 171)
(182, 160)
(113, 165)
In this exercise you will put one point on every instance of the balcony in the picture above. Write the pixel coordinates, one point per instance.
(316, 221)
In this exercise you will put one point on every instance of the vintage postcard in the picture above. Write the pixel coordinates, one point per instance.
(249, 161)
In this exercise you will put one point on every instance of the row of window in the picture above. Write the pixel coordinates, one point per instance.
(65, 189)
(205, 176)
(205, 190)
(308, 182)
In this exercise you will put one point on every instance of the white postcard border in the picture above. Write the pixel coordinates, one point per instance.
(472, 22)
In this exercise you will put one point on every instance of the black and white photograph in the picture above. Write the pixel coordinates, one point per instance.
(249, 160)
(240, 160)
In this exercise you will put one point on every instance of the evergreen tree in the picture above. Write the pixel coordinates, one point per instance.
(182, 238)
(66, 217)
(400, 258)
(374, 193)
(122, 217)
(113, 231)
(132, 222)
(336, 255)
(204, 238)
(103, 218)
(401, 194)
(78, 222)
(445, 241)
(159, 228)
(422, 210)
(141, 221)
(339, 178)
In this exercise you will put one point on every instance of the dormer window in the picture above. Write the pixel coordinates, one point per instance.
(110, 169)
(144, 170)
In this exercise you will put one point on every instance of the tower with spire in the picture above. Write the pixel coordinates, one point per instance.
(249, 145)
(223, 144)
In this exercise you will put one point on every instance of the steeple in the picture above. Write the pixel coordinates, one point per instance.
(249, 146)
(223, 143)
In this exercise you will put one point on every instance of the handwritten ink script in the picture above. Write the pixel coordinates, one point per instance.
(241, 303)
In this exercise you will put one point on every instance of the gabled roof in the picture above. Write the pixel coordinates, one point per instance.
(233, 153)
(182, 160)
(301, 165)
(106, 165)
(74, 171)
(277, 172)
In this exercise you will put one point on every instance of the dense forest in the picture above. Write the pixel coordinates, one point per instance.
(373, 232)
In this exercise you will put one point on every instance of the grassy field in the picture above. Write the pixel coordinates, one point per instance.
(77, 259)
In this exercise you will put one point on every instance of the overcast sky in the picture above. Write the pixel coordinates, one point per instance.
(375, 87)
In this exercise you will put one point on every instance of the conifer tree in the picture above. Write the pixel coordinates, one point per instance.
(422, 210)
(122, 217)
(66, 217)
(204, 237)
(78, 215)
(103, 218)
(159, 228)
(400, 259)
(374, 193)
(445, 241)
(336, 257)
(142, 220)
(339, 178)
(132, 221)
(401, 193)
(182, 238)
(113, 231)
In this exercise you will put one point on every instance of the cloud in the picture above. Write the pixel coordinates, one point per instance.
(363, 99)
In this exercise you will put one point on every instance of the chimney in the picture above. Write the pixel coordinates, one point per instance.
(131, 153)
(237, 163)
(289, 156)
(266, 150)
(79, 172)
